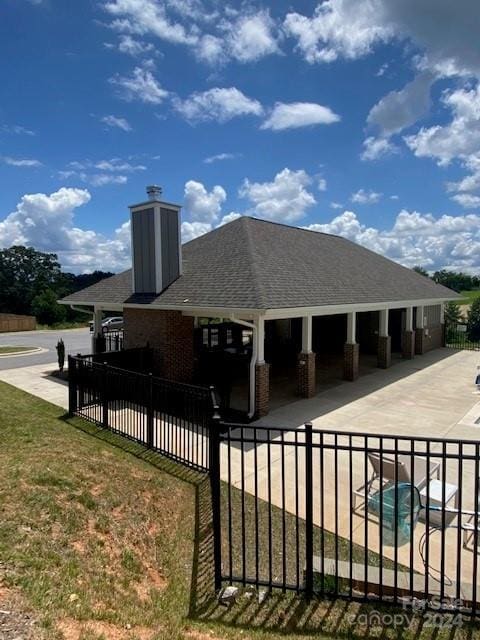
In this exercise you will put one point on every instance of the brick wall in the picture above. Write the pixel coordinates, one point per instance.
(306, 375)
(434, 340)
(408, 344)
(384, 351)
(169, 333)
(351, 361)
(262, 389)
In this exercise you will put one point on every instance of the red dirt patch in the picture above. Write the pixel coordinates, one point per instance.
(73, 629)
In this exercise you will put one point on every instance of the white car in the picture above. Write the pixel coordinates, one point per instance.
(114, 323)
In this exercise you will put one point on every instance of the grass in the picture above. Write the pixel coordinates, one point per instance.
(58, 326)
(13, 349)
(101, 539)
(469, 296)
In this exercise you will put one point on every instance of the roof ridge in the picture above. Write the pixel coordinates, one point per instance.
(253, 266)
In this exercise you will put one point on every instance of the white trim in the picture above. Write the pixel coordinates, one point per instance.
(260, 335)
(420, 319)
(307, 334)
(268, 314)
(132, 249)
(152, 203)
(383, 323)
(158, 249)
(351, 328)
(409, 319)
(180, 256)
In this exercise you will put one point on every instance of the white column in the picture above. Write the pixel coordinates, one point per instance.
(442, 313)
(409, 319)
(383, 324)
(97, 325)
(260, 340)
(351, 327)
(420, 321)
(307, 334)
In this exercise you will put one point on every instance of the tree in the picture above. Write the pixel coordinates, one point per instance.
(453, 314)
(24, 273)
(473, 322)
(421, 271)
(46, 308)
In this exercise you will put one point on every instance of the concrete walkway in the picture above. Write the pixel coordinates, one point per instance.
(38, 381)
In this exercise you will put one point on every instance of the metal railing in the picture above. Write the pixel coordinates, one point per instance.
(457, 336)
(169, 417)
(109, 341)
(348, 515)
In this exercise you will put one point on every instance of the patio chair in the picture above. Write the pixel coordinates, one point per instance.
(469, 528)
(390, 470)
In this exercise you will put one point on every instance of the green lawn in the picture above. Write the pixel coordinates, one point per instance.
(103, 540)
(469, 296)
(12, 349)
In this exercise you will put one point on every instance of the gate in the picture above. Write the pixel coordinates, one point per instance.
(457, 337)
(348, 515)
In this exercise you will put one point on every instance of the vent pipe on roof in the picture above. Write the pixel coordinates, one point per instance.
(156, 243)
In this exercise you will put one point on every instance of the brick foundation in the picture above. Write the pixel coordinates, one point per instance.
(420, 340)
(435, 338)
(351, 354)
(384, 352)
(408, 345)
(169, 333)
(262, 389)
(306, 375)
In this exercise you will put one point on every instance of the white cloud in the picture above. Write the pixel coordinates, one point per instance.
(133, 47)
(143, 17)
(219, 157)
(21, 162)
(16, 129)
(111, 171)
(218, 104)
(467, 200)
(365, 197)
(141, 85)
(230, 217)
(446, 36)
(192, 230)
(298, 114)
(400, 109)
(116, 122)
(251, 37)
(460, 137)
(446, 242)
(374, 148)
(285, 199)
(322, 184)
(336, 205)
(338, 28)
(202, 205)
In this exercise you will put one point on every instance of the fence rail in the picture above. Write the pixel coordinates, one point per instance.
(169, 417)
(348, 515)
(457, 336)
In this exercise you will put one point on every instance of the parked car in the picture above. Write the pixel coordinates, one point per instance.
(114, 323)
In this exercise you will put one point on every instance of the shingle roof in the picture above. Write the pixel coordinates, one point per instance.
(255, 264)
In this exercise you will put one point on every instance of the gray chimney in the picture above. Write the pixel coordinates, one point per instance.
(156, 243)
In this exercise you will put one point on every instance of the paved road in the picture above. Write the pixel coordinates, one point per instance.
(76, 341)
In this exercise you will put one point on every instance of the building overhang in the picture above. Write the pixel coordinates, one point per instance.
(266, 314)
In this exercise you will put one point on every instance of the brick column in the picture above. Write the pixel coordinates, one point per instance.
(444, 334)
(350, 361)
(262, 389)
(419, 342)
(408, 345)
(384, 352)
(306, 375)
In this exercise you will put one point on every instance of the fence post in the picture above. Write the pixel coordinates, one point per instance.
(214, 466)
(79, 369)
(104, 387)
(72, 386)
(308, 512)
(150, 412)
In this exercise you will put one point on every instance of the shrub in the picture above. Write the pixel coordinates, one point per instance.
(46, 309)
(473, 323)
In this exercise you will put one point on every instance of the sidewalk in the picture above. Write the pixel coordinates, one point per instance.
(37, 381)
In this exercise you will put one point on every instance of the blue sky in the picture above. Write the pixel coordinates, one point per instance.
(349, 116)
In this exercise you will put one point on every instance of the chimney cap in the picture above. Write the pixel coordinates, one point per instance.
(154, 192)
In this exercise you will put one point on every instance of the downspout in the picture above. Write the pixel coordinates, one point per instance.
(74, 308)
(253, 360)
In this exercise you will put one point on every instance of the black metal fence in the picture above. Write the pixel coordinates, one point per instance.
(169, 417)
(348, 515)
(109, 341)
(457, 336)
